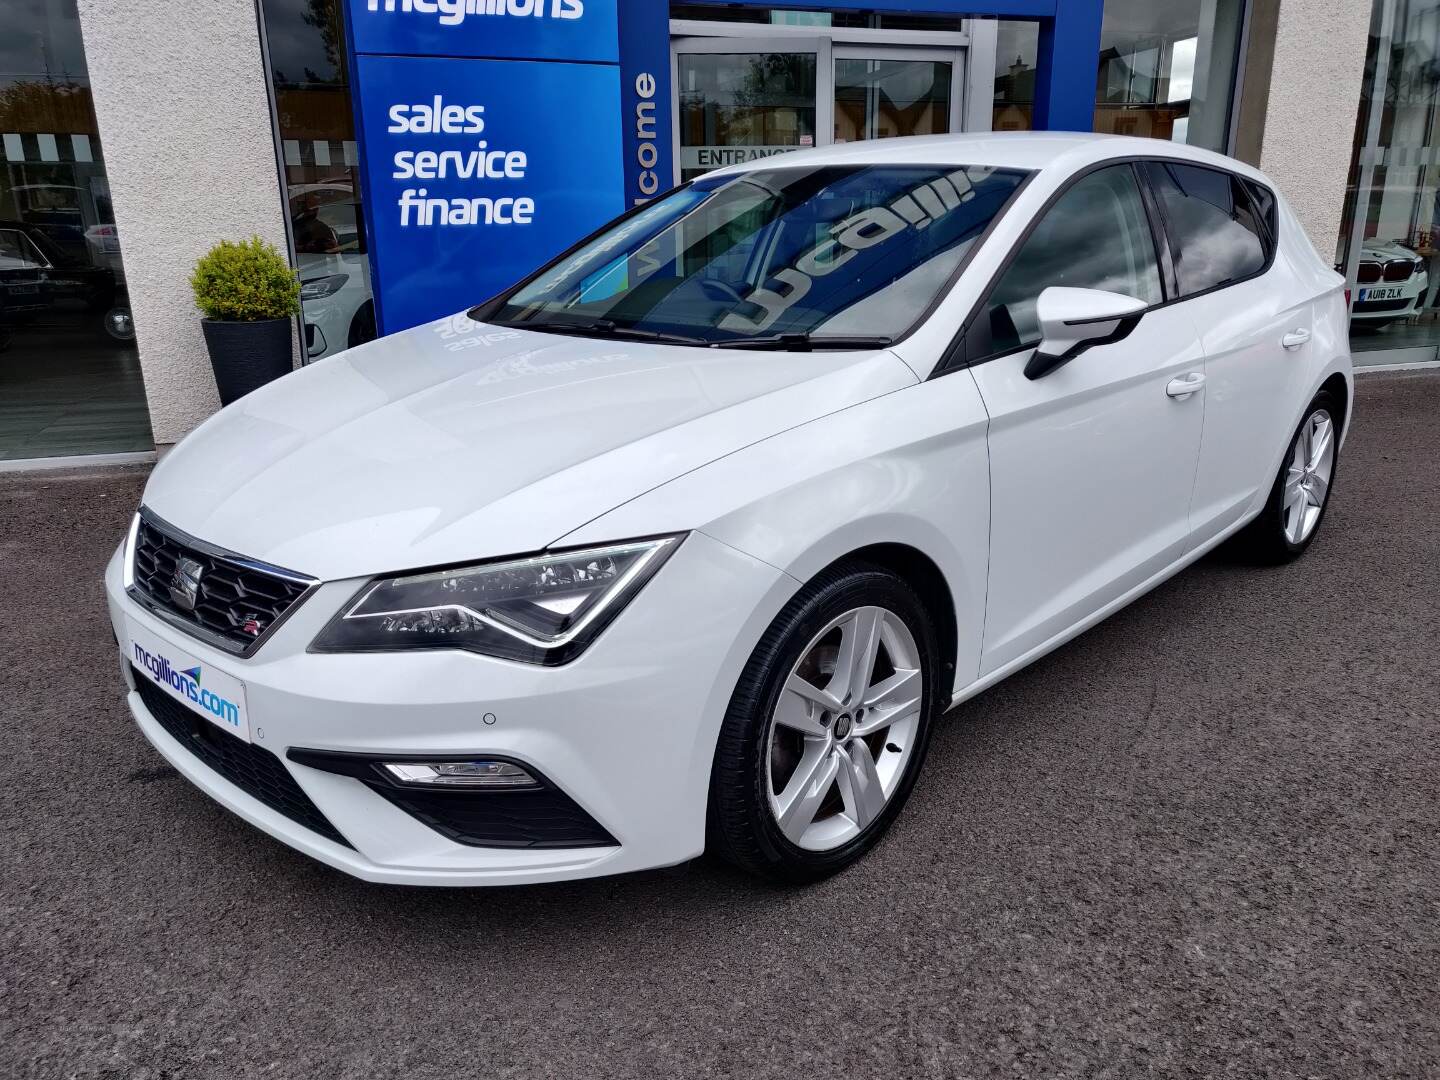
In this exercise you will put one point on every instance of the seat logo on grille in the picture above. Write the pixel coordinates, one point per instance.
(185, 583)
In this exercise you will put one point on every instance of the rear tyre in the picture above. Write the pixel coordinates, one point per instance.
(827, 728)
(1288, 524)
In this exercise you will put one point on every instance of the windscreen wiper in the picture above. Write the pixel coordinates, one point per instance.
(805, 342)
(604, 328)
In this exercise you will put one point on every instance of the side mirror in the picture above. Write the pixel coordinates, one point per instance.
(1072, 320)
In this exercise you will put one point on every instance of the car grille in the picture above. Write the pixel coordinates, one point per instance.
(237, 601)
(1399, 270)
(1367, 273)
(253, 769)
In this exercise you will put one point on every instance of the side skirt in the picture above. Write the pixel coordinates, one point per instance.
(986, 681)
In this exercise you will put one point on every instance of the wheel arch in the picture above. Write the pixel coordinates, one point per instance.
(920, 572)
(1339, 386)
(923, 574)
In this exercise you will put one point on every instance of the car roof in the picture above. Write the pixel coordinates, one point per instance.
(1064, 151)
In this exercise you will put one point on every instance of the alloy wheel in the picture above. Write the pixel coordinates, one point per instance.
(1307, 478)
(842, 733)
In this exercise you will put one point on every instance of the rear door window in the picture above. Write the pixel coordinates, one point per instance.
(1215, 233)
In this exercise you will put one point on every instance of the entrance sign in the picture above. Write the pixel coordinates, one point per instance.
(717, 157)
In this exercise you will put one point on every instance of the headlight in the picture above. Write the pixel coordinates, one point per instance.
(319, 287)
(543, 610)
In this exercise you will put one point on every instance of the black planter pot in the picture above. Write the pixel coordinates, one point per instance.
(247, 355)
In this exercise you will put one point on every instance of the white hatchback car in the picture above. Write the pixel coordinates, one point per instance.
(691, 536)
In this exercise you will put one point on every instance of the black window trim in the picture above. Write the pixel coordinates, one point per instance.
(1272, 228)
(955, 359)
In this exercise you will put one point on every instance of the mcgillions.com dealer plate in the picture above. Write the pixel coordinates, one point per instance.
(212, 693)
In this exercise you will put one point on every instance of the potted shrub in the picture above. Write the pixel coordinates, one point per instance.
(248, 295)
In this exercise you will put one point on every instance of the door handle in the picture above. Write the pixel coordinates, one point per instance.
(1295, 338)
(1185, 385)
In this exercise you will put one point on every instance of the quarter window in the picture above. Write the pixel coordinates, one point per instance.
(1263, 199)
(1214, 230)
(1095, 236)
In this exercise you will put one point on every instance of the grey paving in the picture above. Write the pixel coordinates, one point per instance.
(1199, 841)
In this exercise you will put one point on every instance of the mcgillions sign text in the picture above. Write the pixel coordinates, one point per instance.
(562, 30)
(453, 12)
(187, 684)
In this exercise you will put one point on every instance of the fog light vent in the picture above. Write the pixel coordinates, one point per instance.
(483, 774)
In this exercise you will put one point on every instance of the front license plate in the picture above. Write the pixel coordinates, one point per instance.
(203, 688)
(1393, 292)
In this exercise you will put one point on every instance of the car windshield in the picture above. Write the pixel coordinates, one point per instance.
(826, 256)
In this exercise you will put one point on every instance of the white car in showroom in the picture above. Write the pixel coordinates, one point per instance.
(688, 539)
(1390, 283)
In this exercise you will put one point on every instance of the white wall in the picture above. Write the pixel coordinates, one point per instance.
(1310, 118)
(185, 127)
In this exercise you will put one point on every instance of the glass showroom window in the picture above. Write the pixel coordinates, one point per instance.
(69, 373)
(306, 54)
(1165, 71)
(1016, 44)
(1168, 70)
(1389, 249)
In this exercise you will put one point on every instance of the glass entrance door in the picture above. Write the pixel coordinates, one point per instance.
(881, 93)
(740, 99)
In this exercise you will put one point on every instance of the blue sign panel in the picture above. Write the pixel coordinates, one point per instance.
(523, 29)
(645, 86)
(478, 171)
(494, 133)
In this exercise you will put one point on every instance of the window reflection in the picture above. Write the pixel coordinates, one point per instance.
(1015, 48)
(306, 53)
(1215, 232)
(69, 372)
(829, 250)
(1389, 243)
(881, 99)
(1165, 71)
(743, 106)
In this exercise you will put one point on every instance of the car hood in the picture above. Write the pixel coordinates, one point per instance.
(1386, 249)
(456, 441)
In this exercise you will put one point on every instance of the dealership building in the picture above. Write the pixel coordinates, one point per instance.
(412, 157)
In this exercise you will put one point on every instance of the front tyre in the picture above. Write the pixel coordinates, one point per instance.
(827, 728)
(1301, 491)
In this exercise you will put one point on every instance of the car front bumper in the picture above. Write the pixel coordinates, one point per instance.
(627, 731)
